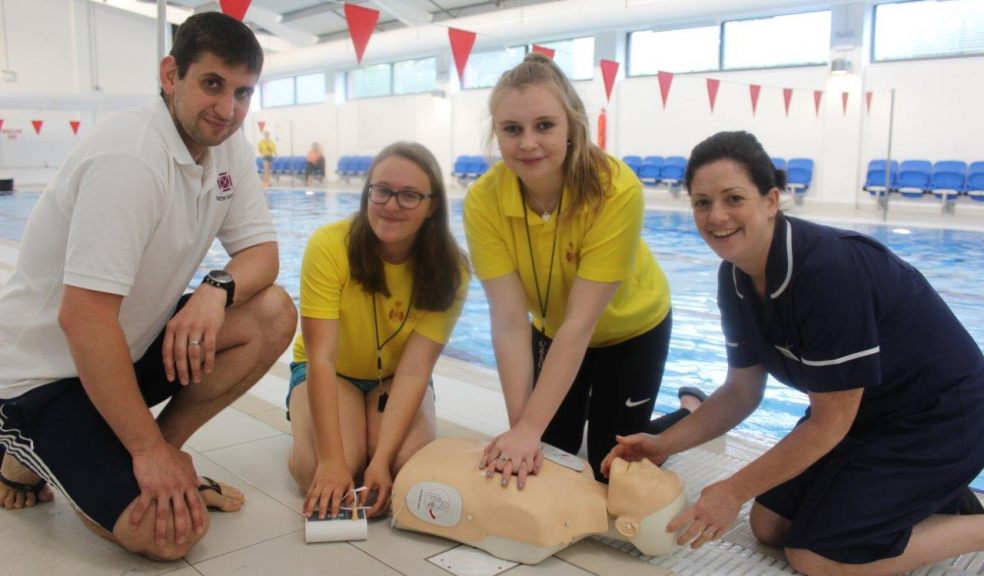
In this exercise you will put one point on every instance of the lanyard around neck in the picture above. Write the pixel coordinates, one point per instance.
(375, 331)
(544, 302)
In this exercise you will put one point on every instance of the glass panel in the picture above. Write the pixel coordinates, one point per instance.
(789, 40)
(575, 56)
(414, 76)
(484, 68)
(927, 29)
(311, 88)
(686, 50)
(368, 82)
(279, 92)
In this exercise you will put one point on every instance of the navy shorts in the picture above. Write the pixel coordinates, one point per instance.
(56, 431)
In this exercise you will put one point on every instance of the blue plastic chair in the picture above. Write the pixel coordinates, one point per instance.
(634, 162)
(362, 165)
(673, 170)
(460, 165)
(914, 178)
(874, 182)
(799, 175)
(779, 163)
(298, 164)
(651, 170)
(975, 181)
(342, 167)
(949, 179)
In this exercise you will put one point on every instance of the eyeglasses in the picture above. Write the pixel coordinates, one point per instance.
(407, 199)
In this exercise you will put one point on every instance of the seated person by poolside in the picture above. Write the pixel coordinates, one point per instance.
(314, 164)
(95, 329)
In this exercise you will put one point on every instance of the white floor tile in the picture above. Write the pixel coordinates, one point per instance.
(228, 428)
(263, 463)
(289, 555)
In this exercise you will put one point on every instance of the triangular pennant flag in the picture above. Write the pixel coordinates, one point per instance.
(261, 124)
(712, 91)
(235, 8)
(544, 50)
(361, 22)
(1, 123)
(817, 96)
(753, 90)
(665, 80)
(461, 47)
(867, 101)
(37, 126)
(609, 69)
(75, 126)
(844, 96)
(787, 95)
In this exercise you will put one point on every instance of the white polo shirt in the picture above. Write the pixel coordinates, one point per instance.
(129, 213)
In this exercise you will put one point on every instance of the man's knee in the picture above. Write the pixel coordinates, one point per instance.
(767, 526)
(276, 317)
(813, 564)
(141, 539)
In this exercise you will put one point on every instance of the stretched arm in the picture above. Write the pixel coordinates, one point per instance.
(202, 316)
(164, 473)
(332, 479)
(520, 446)
(407, 390)
(511, 338)
(831, 417)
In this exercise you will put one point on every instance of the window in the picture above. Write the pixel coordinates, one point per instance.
(279, 92)
(484, 68)
(575, 57)
(311, 88)
(368, 82)
(414, 76)
(928, 29)
(790, 40)
(686, 50)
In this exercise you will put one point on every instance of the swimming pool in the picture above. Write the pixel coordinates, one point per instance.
(952, 260)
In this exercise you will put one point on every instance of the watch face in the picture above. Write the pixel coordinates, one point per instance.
(220, 276)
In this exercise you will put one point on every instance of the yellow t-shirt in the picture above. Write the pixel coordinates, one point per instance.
(267, 147)
(603, 247)
(329, 292)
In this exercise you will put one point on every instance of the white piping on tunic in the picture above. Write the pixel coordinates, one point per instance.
(843, 359)
(734, 279)
(731, 344)
(789, 261)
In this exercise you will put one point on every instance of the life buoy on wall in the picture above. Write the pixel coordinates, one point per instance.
(602, 128)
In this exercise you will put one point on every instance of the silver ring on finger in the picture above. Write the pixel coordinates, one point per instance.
(194, 343)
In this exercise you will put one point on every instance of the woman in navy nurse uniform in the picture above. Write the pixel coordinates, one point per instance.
(871, 479)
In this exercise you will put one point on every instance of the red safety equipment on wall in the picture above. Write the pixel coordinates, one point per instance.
(602, 128)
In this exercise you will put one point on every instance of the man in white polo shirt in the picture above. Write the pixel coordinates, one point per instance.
(95, 328)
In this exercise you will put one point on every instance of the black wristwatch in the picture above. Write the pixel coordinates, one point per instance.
(222, 279)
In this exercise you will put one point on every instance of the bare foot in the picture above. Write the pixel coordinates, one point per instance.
(12, 497)
(220, 496)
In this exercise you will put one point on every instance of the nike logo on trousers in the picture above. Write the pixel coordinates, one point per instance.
(630, 403)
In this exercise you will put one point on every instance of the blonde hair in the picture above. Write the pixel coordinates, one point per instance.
(586, 167)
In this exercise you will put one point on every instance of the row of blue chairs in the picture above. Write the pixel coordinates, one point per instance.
(799, 173)
(469, 167)
(353, 165)
(946, 179)
(657, 170)
(284, 165)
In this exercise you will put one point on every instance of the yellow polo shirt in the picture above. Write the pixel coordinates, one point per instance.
(329, 292)
(603, 247)
(267, 147)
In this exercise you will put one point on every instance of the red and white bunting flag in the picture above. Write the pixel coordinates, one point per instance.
(37, 126)
(261, 124)
(753, 91)
(75, 126)
(1, 123)
(461, 47)
(867, 101)
(549, 52)
(712, 91)
(609, 69)
(235, 8)
(361, 22)
(787, 95)
(844, 96)
(665, 81)
(817, 96)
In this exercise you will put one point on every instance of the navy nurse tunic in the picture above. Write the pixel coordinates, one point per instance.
(841, 312)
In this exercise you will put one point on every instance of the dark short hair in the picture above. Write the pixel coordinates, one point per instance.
(224, 36)
(740, 147)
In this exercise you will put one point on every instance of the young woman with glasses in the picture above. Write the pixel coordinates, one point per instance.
(380, 293)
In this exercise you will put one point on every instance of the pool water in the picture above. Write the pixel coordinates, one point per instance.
(950, 259)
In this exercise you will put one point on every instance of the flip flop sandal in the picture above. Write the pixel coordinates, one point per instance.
(35, 488)
(691, 391)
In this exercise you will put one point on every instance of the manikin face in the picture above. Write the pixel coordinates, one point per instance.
(732, 216)
(396, 227)
(531, 128)
(209, 104)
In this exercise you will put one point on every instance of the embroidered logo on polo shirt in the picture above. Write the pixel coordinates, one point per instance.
(572, 256)
(224, 182)
(396, 313)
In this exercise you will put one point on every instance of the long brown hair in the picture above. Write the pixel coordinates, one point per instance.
(586, 168)
(436, 262)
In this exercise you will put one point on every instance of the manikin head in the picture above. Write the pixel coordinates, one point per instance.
(643, 498)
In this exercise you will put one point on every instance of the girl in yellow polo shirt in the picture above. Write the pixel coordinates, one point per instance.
(380, 294)
(554, 231)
